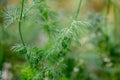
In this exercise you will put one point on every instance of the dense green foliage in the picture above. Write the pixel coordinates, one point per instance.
(85, 48)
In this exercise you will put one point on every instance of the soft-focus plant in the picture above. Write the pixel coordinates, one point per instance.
(85, 48)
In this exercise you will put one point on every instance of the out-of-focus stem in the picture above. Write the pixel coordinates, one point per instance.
(78, 10)
(21, 14)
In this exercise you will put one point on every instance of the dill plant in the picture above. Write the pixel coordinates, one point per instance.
(54, 60)
(47, 62)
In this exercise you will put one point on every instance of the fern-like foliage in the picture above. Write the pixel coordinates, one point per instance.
(20, 49)
(45, 17)
(11, 15)
(48, 62)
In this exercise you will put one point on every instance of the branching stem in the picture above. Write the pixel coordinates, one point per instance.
(78, 10)
(21, 14)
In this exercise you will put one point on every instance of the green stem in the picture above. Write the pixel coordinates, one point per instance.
(21, 14)
(116, 20)
(107, 13)
(2, 48)
(78, 10)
